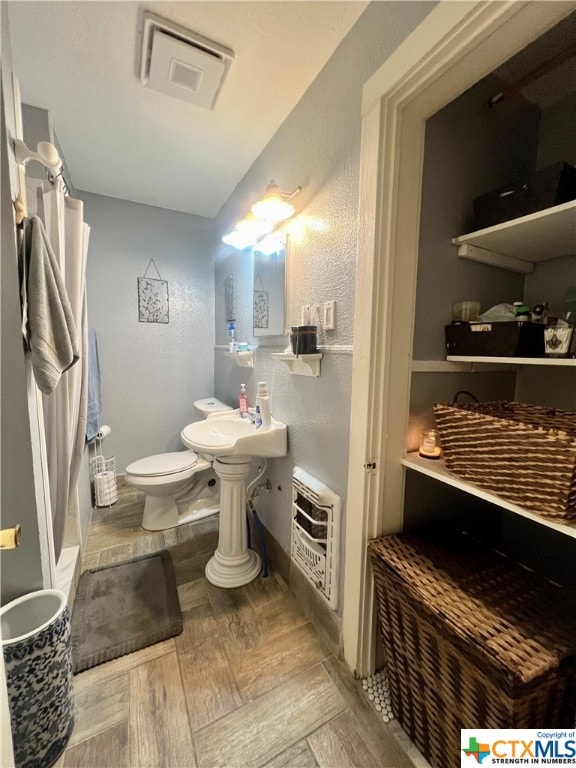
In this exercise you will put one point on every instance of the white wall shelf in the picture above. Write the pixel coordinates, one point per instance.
(518, 244)
(437, 470)
(459, 365)
(301, 365)
(243, 359)
(504, 361)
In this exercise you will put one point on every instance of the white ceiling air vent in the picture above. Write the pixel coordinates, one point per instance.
(181, 63)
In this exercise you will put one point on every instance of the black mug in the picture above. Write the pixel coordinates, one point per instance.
(303, 339)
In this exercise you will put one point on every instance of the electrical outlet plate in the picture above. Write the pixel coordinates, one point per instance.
(329, 315)
(310, 314)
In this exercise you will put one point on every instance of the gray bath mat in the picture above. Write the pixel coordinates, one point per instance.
(124, 607)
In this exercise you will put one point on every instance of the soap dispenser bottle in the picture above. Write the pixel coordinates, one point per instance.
(243, 401)
(263, 417)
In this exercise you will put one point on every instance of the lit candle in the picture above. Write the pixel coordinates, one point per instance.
(430, 444)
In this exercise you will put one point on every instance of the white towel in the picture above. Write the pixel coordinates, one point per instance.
(48, 326)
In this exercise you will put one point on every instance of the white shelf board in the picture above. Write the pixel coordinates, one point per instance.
(562, 361)
(243, 359)
(435, 468)
(540, 236)
(301, 365)
(458, 365)
(439, 366)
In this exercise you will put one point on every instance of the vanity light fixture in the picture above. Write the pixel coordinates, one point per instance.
(248, 231)
(274, 206)
(263, 218)
(272, 243)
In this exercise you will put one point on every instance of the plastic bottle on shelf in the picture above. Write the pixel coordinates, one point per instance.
(521, 311)
(243, 401)
(231, 337)
(263, 417)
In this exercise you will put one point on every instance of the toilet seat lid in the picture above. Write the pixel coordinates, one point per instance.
(163, 464)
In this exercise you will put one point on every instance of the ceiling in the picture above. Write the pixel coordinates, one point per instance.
(81, 61)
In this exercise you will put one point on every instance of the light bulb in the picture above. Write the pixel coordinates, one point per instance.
(254, 226)
(272, 207)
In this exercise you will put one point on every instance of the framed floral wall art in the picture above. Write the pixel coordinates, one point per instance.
(153, 303)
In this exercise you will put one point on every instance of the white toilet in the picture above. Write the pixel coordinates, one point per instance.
(179, 479)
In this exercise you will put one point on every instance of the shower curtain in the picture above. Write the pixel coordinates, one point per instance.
(65, 409)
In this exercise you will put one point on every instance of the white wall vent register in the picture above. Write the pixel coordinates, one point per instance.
(316, 533)
(181, 63)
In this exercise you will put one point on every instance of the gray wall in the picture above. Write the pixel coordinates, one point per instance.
(22, 568)
(557, 135)
(151, 372)
(317, 147)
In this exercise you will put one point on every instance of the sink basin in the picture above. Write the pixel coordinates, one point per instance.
(234, 436)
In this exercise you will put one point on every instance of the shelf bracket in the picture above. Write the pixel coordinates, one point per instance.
(301, 365)
(243, 359)
(474, 253)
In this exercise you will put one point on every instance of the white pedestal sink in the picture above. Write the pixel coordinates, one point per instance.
(233, 442)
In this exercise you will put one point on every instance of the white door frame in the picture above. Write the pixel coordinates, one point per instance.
(456, 45)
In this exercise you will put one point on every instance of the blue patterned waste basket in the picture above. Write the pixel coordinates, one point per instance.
(38, 660)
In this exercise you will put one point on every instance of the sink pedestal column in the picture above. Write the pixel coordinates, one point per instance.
(233, 564)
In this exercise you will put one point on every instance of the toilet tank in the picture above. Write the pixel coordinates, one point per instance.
(209, 405)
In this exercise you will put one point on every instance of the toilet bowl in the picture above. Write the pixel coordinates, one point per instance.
(209, 405)
(180, 487)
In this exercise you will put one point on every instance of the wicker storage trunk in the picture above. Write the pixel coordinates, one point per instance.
(525, 454)
(472, 640)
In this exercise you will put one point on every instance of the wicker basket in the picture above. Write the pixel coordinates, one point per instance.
(526, 454)
(472, 640)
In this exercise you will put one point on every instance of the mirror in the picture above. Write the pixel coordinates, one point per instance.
(268, 292)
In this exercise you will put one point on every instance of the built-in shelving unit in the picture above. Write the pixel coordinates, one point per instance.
(520, 243)
(437, 470)
(515, 245)
(301, 365)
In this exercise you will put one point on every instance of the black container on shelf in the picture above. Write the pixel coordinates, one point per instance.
(544, 189)
(503, 339)
(303, 339)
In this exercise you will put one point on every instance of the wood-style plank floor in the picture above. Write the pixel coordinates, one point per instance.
(247, 683)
